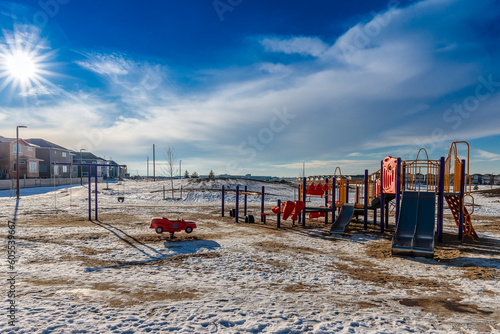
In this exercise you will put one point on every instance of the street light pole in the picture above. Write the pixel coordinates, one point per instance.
(180, 169)
(17, 157)
(81, 167)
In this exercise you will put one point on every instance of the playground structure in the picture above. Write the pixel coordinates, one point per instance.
(96, 205)
(408, 189)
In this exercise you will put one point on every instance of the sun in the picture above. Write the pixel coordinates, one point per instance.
(23, 63)
(21, 66)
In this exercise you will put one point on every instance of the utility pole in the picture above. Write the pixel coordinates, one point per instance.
(154, 161)
(147, 168)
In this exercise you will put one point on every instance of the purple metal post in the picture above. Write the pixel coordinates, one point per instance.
(398, 191)
(387, 215)
(404, 177)
(278, 217)
(222, 213)
(334, 195)
(262, 217)
(382, 196)
(237, 204)
(347, 191)
(462, 192)
(365, 226)
(304, 199)
(245, 206)
(440, 200)
(326, 202)
(90, 195)
(95, 190)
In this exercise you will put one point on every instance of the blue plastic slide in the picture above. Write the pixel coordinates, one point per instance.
(344, 218)
(414, 234)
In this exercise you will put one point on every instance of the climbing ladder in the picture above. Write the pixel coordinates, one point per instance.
(454, 204)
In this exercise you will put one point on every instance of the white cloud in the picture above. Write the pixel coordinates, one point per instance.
(107, 64)
(309, 46)
(485, 155)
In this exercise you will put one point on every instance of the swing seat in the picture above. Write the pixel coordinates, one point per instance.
(121, 199)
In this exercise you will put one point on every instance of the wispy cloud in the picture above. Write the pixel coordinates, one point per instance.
(308, 46)
(485, 155)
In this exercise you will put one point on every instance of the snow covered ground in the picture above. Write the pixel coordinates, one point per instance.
(116, 275)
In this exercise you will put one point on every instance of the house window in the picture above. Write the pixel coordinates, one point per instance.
(64, 154)
(33, 167)
(14, 148)
(65, 169)
(30, 148)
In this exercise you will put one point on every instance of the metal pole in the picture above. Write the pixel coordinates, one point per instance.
(440, 200)
(347, 191)
(237, 204)
(278, 217)
(326, 201)
(382, 204)
(462, 192)
(262, 217)
(222, 212)
(365, 226)
(245, 206)
(154, 163)
(398, 191)
(95, 191)
(90, 194)
(334, 194)
(304, 199)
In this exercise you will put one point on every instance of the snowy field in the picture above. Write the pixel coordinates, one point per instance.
(116, 275)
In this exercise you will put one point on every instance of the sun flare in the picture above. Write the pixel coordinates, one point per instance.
(23, 64)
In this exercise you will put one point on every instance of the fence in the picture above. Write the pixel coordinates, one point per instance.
(32, 183)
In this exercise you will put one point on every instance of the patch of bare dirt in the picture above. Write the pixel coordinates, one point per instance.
(441, 305)
(366, 305)
(364, 270)
(488, 192)
(48, 282)
(301, 287)
(446, 306)
(276, 247)
(379, 249)
(481, 273)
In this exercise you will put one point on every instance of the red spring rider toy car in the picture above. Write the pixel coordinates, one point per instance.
(162, 224)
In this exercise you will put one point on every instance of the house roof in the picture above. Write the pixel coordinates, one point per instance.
(9, 140)
(85, 156)
(45, 143)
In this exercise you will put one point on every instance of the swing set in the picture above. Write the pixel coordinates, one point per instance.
(90, 184)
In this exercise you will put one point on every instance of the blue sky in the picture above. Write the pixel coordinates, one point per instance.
(240, 86)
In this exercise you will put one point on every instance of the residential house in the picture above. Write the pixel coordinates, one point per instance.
(50, 153)
(476, 179)
(115, 171)
(87, 158)
(28, 162)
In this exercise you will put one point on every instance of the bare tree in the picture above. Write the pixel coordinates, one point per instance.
(171, 171)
